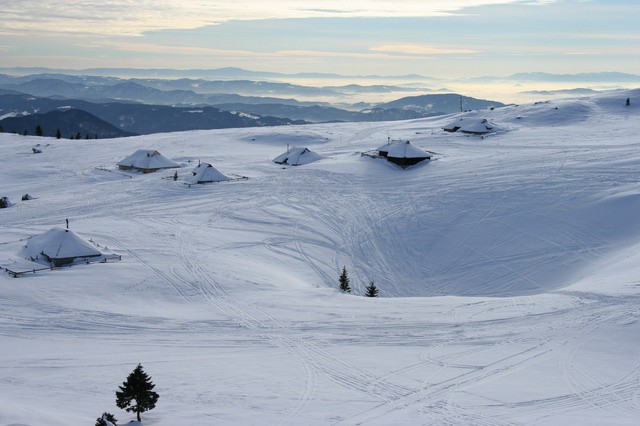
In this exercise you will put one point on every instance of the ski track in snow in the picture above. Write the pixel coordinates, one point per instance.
(499, 227)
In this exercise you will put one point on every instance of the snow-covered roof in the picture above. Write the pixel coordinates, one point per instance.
(297, 156)
(199, 167)
(403, 149)
(58, 243)
(205, 173)
(471, 125)
(148, 159)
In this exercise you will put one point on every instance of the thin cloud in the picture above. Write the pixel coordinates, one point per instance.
(135, 17)
(315, 54)
(419, 49)
(169, 50)
(202, 51)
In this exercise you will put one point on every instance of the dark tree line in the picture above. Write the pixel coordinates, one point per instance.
(39, 131)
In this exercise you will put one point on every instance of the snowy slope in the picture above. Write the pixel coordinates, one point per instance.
(507, 268)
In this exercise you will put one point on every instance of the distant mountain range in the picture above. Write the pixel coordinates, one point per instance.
(402, 109)
(324, 114)
(569, 92)
(140, 118)
(232, 73)
(144, 106)
(132, 118)
(594, 77)
(114, 106)
(222, 73)
(440, 104)
(184, 90)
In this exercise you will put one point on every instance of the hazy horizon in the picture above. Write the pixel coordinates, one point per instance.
(496, 88)
(442, 39)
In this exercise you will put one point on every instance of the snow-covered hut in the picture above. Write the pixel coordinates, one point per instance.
(297, 156)
(206, 173)
(403, 153)
(60, 247)
(199, 167)
(147, 161)
(475, 126)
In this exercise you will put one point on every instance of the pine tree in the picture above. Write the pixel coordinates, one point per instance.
(106, 419)
(138, 387)
(58, 134)
(372, 290)
(344, 281)
(38, 130)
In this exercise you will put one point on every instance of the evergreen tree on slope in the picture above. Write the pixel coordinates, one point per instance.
(344, 281)
(139, 388)
(107, 419)
(372, 290)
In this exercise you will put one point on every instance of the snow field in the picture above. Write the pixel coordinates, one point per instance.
(507, 266)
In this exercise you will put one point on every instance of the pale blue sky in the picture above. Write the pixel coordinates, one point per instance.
(461, 38)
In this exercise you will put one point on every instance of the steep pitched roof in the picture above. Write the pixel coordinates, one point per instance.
(471, 125)
(148, 159)
(206, 173)
(297, 156)
(403, 149)
(59, 243)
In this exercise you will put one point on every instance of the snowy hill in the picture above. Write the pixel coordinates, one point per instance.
(69, 122)
(507, 268)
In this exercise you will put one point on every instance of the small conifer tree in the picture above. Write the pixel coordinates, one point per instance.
(138, 387)
(344, 281)
(38, 130)
(628, 102)
(58, 134)
(372, 290)
(106, 419)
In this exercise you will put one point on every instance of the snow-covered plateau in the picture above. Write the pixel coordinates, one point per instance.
(508, 269)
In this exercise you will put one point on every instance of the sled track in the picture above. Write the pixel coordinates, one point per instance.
(313, 357)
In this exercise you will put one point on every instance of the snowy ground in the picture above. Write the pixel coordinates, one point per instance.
(508, 269)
